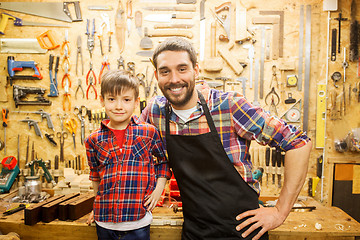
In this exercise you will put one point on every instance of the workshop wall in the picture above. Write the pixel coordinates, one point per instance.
(278, 39)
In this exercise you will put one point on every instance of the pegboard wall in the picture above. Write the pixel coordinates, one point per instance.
(270, 49)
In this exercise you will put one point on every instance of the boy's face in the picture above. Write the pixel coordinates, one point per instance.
(120, 108)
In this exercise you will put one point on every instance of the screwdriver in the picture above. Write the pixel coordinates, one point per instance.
(5, 114)
(278, 166)
(273, 164)
(267, 163)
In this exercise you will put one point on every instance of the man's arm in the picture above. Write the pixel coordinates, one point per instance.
(295, 170)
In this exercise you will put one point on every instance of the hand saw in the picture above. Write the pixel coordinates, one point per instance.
(54, 10)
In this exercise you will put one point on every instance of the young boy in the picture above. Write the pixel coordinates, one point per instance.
(127, 180)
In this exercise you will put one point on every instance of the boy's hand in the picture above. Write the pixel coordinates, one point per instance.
(90, 219)
(152, 199)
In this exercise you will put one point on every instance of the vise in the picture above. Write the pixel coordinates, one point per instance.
(14, 66)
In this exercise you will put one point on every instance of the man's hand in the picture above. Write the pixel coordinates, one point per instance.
(267, 218)
(90, 219)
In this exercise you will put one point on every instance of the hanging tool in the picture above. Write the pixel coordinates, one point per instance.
(81, 112)
(15, 66)
(214, 63)
(354, 34)
(230, 59)
(120, 26)
(267, 165)
(43, 115)
(307, 68)
(345, 65)
(79, 86)
(62, 136)
(243, 81)
(146, 42)
(290, 99)
(278, 166)
(79, 52)
(105, 24)
(275, 100)
(10, 170)
(167, 17)
(121, 63)
(71, 126)
(66, 97)
(301, 47)
(5, 116)
(56, 70)
(256, 84)
(65, 46)
(53, 88)
(138, 22)
(293, 115)
(226, 24)
(251, 53)
(202, 30)
(105, 64)
(91, 81)
(18, 22)
(188, 8)
(21, 45)
(20, 92)
(27, 150)
(66, 78)
(340, 19)
(34, 124)
(333, 44)
(274, 77)
(128, 16)
(47, 40)
(224, 80)
(54, 10)
(320, 116)
(90, 36)
(50, 137)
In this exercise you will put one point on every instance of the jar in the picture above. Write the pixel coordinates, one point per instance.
(33, 185)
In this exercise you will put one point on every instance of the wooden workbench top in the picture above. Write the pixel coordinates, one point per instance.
(335, 224)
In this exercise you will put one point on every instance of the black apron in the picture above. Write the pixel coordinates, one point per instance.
(212, 192)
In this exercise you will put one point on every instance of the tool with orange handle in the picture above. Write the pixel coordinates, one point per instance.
(47, 40)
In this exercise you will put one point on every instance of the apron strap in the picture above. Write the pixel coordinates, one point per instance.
(206, 111)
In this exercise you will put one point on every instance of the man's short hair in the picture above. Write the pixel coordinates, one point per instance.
(175, 44)
(116, 81)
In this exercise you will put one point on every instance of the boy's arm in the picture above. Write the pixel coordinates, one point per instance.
(153, 198)
(95, 185)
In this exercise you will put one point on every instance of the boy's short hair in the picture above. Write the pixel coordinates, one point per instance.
(175, 44)
(116, 81)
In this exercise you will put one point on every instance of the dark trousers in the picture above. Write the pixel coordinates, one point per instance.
(137, 234)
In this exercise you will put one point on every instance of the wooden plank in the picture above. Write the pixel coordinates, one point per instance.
(79, 208)
(64, 206)
(33, 213)
(50, 211)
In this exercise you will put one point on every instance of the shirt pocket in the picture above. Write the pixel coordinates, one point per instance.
(141, 152)
(106, 167)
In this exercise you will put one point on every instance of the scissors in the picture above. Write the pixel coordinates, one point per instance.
(62, 135)
(71, 126)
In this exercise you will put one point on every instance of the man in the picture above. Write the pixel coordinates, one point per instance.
(207, 136)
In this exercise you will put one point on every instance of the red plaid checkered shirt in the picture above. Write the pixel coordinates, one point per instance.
(128, 174)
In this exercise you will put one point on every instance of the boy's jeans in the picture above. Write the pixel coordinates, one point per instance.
(137, 234)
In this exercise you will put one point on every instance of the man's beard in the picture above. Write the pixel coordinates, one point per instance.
(183, 99)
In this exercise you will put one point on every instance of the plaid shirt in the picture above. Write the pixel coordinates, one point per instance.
(237, 122)
(126, 175)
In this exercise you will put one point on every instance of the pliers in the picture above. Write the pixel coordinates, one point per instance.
(104, 64)
(90, 81)
(65, 46)
(79, 87)
(66, 97)
(79, 52)
(66, 76)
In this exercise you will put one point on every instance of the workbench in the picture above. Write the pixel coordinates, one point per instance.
(166, 225)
